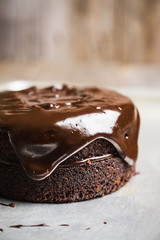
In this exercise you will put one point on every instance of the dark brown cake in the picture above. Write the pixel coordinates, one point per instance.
(49, 152)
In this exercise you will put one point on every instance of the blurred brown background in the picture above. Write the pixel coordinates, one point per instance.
(110, 42)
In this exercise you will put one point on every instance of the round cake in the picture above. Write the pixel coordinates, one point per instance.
(66, 144)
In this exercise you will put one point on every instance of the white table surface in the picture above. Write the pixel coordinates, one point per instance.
(133, 212)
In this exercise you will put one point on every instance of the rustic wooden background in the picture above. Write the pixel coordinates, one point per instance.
(126, 31)
(80, 39)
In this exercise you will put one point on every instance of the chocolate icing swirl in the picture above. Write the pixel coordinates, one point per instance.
(47, 126)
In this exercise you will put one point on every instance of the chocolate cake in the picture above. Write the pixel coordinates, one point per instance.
(65, 144)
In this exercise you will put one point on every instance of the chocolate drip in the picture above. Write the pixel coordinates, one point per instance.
(67, 164)
(8, 205)
(22, 226)
(64, 225)
(47, 126)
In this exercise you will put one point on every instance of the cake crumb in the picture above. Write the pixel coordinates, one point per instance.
(12, 205)
(89, 162)
(88, 228)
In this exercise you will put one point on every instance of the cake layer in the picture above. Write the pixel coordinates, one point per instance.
(67, 184)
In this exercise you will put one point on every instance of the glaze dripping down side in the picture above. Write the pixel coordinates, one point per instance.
(47, 126)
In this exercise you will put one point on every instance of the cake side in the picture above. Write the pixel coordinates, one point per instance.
(66, 184)
(78, 182)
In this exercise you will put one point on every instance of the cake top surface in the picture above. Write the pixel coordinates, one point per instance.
(46, 126)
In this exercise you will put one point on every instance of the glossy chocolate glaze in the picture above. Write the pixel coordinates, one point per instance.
(67, 164)
(47, 126)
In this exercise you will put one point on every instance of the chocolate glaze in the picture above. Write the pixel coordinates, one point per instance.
(1, 230)
(68, 164)
(8, 205)
(9, 163)
(22, 226)
(47, 126)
